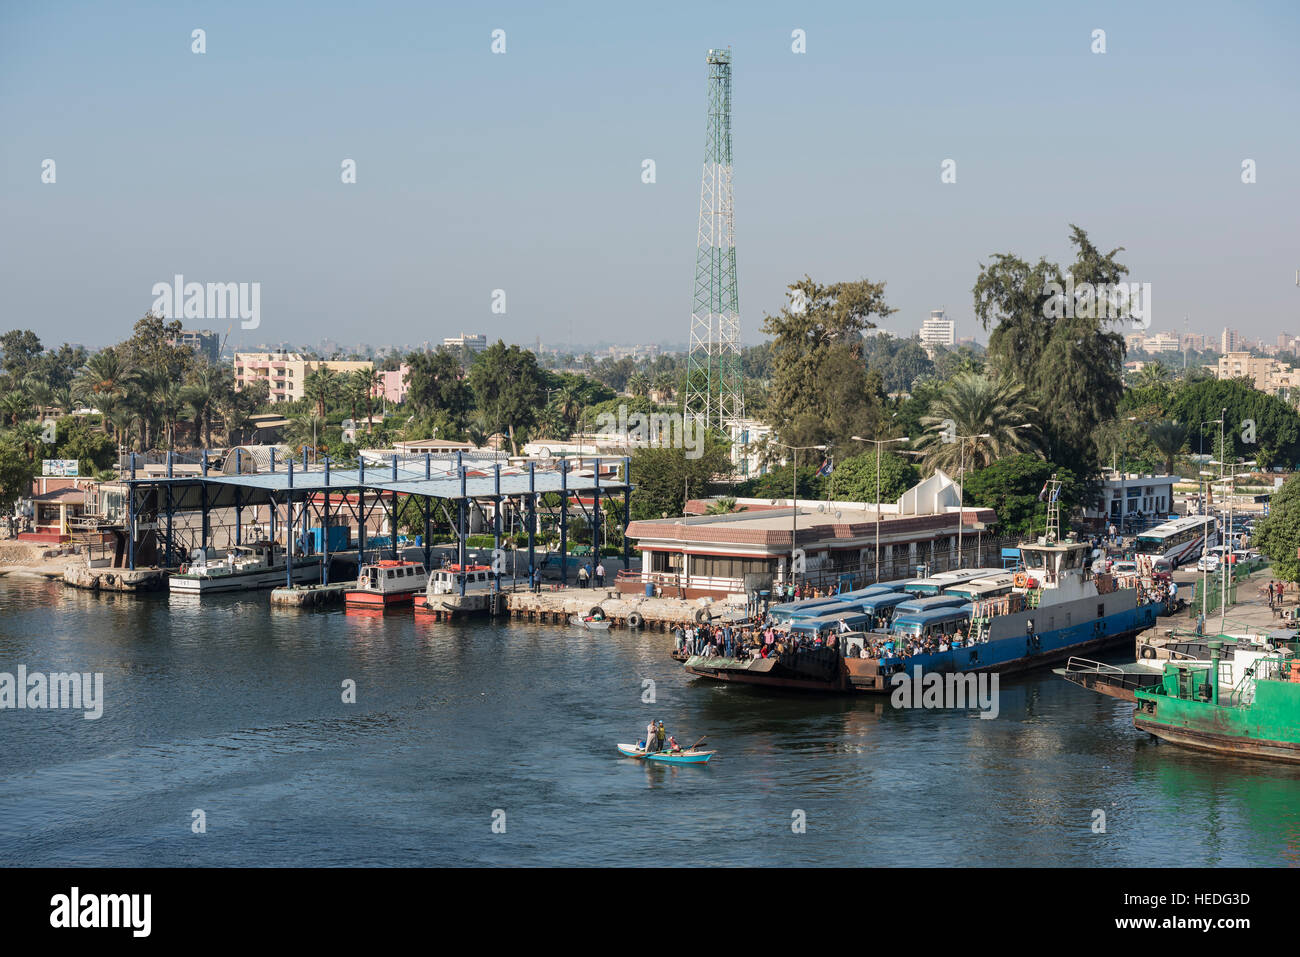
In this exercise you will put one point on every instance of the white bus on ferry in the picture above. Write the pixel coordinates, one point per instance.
(1181, 540)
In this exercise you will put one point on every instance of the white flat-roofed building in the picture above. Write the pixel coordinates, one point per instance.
(938, 330)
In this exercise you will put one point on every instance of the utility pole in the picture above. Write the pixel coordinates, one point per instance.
(879, 443)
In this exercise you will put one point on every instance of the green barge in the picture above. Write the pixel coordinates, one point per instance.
(1259, 717)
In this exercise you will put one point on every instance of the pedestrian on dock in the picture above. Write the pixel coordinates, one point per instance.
(600, 575)
(582, 577)
(1271, 593)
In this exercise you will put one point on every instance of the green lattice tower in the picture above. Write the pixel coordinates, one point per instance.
(714, 383)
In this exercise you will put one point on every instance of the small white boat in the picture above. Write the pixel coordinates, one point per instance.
(244, 567)
(597, 624)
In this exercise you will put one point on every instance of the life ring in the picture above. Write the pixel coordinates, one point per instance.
(1021, 579)
(634, 620)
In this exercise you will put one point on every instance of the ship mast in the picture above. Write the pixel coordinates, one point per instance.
(1053, 511)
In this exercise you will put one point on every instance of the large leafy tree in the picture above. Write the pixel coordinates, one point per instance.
(1070, 360)
(854, 479)
(664, 477)
(436, 384)
(819, 378)
(1278, 536)
(1011, 486)
(1256, 425)
(20, 347)
(509, 389)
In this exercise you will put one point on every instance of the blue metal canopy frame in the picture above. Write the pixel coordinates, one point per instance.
(411, 476)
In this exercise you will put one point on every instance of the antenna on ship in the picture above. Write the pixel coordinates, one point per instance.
(1053, 511)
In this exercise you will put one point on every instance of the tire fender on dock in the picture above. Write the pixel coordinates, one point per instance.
(634, 620)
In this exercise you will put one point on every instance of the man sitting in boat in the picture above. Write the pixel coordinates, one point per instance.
(673, 746)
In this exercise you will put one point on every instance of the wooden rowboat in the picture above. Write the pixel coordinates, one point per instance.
(597, 623)
(667, 757)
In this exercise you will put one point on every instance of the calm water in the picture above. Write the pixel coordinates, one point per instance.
(235, 709)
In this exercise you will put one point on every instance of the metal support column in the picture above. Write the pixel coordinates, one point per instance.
(460, 529)
(532, 523)
(564, 523)
(130, 518)
(627, 511)
(496, 529)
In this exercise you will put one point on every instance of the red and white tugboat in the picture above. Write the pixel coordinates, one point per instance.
(387, 584)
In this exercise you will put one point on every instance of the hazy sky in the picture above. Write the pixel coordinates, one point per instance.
(522, 171)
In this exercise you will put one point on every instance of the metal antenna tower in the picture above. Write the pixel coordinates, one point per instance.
(713, 375)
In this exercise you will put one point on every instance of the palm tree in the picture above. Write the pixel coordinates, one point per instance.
(320, 386)
(14, 405)
(30, 436)
(638, 384)
(201, 396)
(1168, 438)
(569, 401)
(101, 383)
(665, 384)
(234, 415)
(122, 418)
(305, 430)
(974, 406)
(1153, 373)
(722, 506)
(356, 391)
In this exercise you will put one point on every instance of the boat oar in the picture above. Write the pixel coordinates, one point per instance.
(696, 744)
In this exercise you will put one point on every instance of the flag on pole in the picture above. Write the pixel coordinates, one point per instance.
(1042, 494)
(827, 467)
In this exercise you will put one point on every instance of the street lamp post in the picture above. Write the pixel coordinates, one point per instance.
(961, 487)
(794, 516)
(878, 443)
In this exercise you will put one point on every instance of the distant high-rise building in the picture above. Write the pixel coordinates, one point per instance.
(1162, 342)
(1229, 341)
(1194, 342)
(938, 331)
(473, 343)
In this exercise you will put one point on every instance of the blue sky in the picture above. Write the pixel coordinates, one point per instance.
(522, 171)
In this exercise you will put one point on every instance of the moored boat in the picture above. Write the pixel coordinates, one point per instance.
(1055, 608)
(387, 584)
(1193, 706)
(243, 568)
(442, 594)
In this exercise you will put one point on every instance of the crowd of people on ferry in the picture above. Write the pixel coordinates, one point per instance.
(761, 637)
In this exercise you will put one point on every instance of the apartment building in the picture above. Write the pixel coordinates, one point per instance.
(285, 372)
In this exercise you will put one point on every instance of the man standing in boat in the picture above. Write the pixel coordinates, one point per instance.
(650, 737)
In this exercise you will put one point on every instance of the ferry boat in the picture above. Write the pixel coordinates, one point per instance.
(1193, 706)
(387, 584)
(1057, 607)
(244, 567)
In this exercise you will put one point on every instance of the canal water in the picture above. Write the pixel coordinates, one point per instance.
(233, 709)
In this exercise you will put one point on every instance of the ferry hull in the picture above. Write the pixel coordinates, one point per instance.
(1219, 743)
(309, 571)
(370, 599)
(1005, 655)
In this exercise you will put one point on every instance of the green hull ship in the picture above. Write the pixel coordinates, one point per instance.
(1258, 718)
